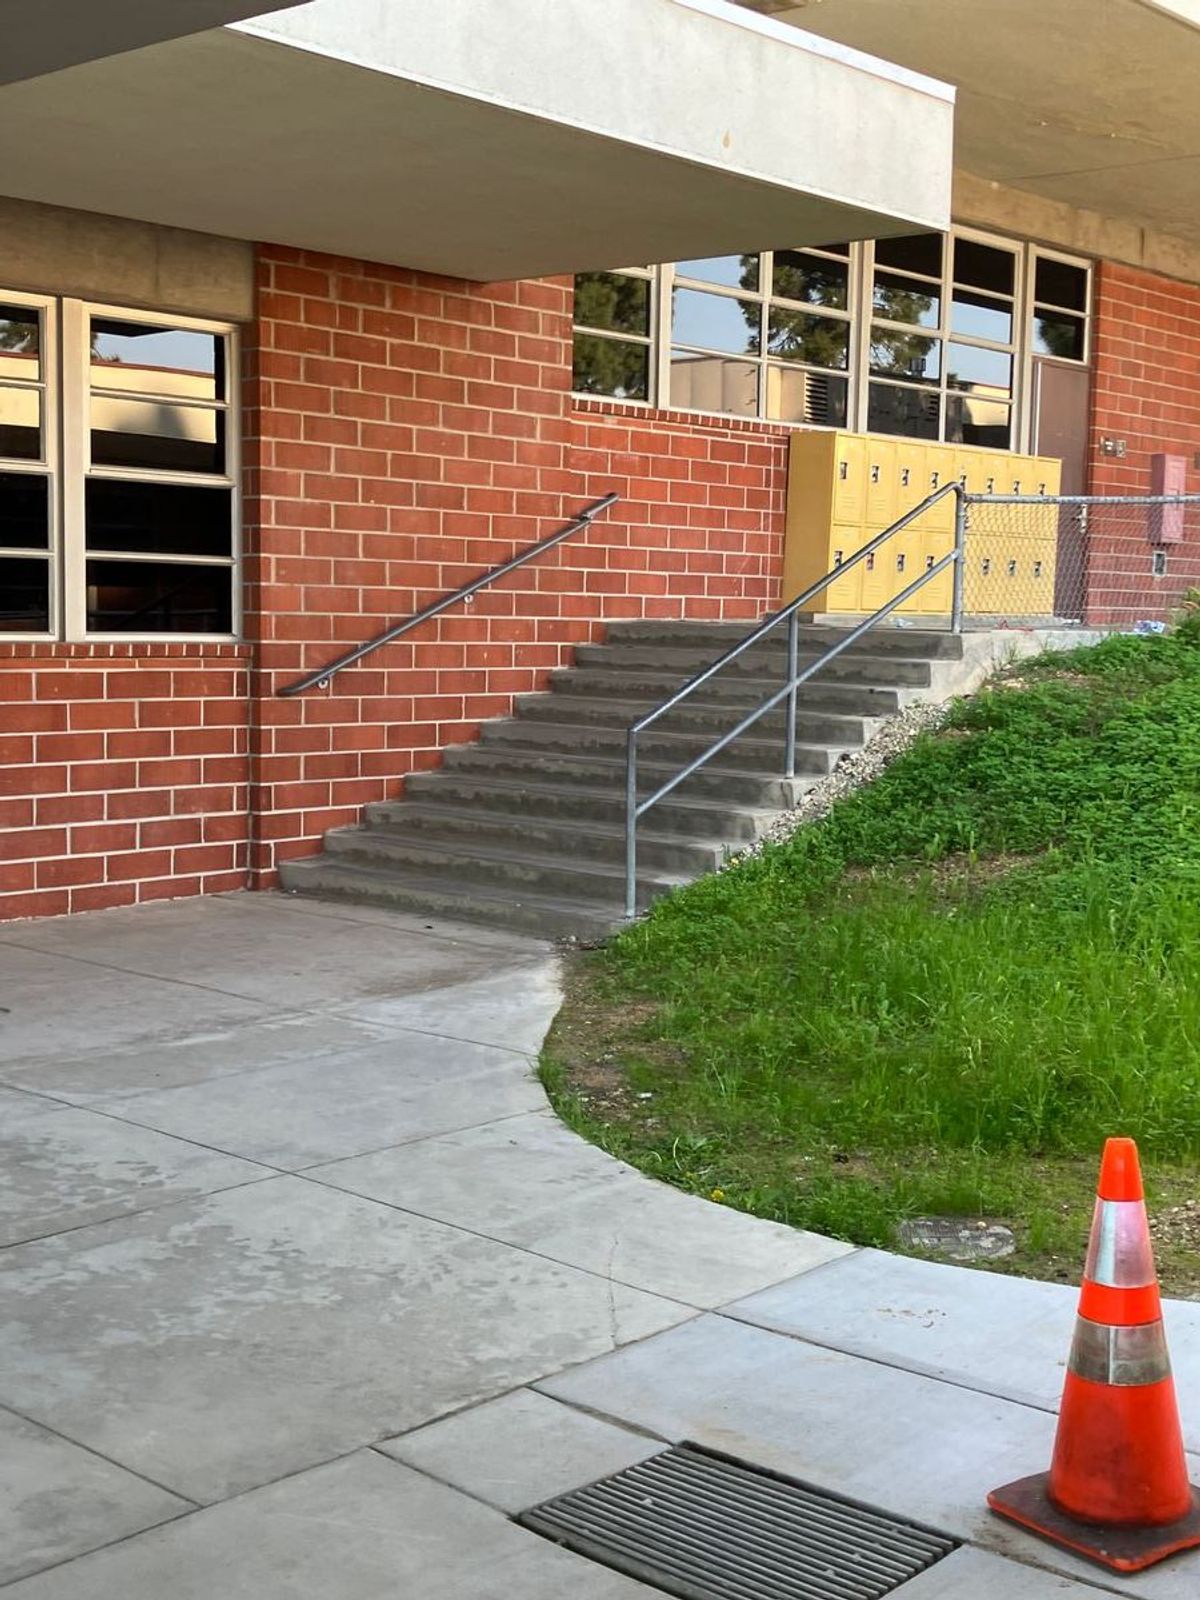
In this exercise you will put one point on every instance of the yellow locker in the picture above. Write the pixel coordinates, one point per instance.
(882, 484)
(813, 473)
(849, 489)
(876, 585)
(844, 488)
(845, 594)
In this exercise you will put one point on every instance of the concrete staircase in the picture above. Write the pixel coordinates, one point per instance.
(525, 829)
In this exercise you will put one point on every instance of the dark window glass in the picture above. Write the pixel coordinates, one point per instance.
(912, 413)
(159, 518)
(158, 597)
(809, 278)
(715, 321)
(819, 341)
(154, 434)
(156, 360)
(983, 266)
(795, 395)
(980, 318)
(20, 342)
(969, 366)
(1060, 284)
(24, 594)
(915, 252)
(610, 366)
(608, 300)
(906, 355)
(903, 300)
(24, 511)
(1056, 333)
(971, 420)
(20, 424)
(714, 383)
(735, 272)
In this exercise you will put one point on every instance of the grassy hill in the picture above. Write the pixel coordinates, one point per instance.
(942, 998)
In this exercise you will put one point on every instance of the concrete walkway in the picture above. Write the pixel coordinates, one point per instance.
(306, 1291)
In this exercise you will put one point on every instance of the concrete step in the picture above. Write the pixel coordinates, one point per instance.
(457, 827)
(525, 829)
(887, 671)
(716, 637)
(650, 687)
(747, 754)
(721, 783)
(488, 795)
(542, 916)
(521, 870)
(812, 727)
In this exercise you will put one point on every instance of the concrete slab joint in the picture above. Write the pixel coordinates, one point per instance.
(308, 1292)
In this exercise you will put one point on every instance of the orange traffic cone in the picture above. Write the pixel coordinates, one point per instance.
(1117, 1490)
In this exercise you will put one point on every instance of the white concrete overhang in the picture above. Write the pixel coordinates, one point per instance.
(43, 36)
(1093, 103)
(493, 140)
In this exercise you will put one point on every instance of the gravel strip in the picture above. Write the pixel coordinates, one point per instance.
(855, 768)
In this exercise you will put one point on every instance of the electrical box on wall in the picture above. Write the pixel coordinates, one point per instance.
(1168, 475)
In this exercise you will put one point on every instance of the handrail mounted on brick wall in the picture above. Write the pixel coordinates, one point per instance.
(323, 676)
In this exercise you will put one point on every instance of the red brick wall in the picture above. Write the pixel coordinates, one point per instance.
(123, 774)
(699, 530)
(1146, 391)
(408, 432)
(403, 433)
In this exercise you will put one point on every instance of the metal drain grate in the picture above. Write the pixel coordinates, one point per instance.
(707, 1527)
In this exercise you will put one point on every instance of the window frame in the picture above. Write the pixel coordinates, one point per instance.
(1020, 251)
(860, 315)
(67, 387)
(765, 298)
(47, 467)
(649, 341)
(1034, 254)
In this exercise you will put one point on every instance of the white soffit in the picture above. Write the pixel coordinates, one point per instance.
(1095, 103)
(489, 140)
(43, 36)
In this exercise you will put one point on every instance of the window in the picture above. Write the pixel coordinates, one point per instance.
(124, 523)
(1060, 307)
(943, 339)
(613, 322)
(928, 336)
(27, 449)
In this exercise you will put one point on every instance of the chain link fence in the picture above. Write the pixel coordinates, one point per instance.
(1046, 561)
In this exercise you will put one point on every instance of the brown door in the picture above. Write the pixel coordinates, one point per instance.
(1060, 428)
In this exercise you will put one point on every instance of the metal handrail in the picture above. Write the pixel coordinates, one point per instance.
(635, 810)
(324, 675)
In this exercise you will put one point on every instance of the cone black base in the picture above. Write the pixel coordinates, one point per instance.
(1120, 1549)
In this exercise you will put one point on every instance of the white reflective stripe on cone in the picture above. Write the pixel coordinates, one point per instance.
(1119, 1253)
(1104, 1354)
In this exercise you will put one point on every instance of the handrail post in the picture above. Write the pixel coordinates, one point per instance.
(960, 560)
(631, 822)
(793, 659)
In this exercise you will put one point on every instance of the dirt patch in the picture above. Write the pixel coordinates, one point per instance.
(952, 872)
(1074, 680)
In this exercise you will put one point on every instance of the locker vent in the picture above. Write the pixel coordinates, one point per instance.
(704, 1526)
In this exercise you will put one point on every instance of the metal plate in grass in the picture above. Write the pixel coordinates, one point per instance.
(705, 1526)
(958, 1238)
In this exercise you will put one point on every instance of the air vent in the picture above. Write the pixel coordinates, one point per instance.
(704, 1526)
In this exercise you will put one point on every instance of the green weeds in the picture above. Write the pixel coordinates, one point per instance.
(942, 998)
